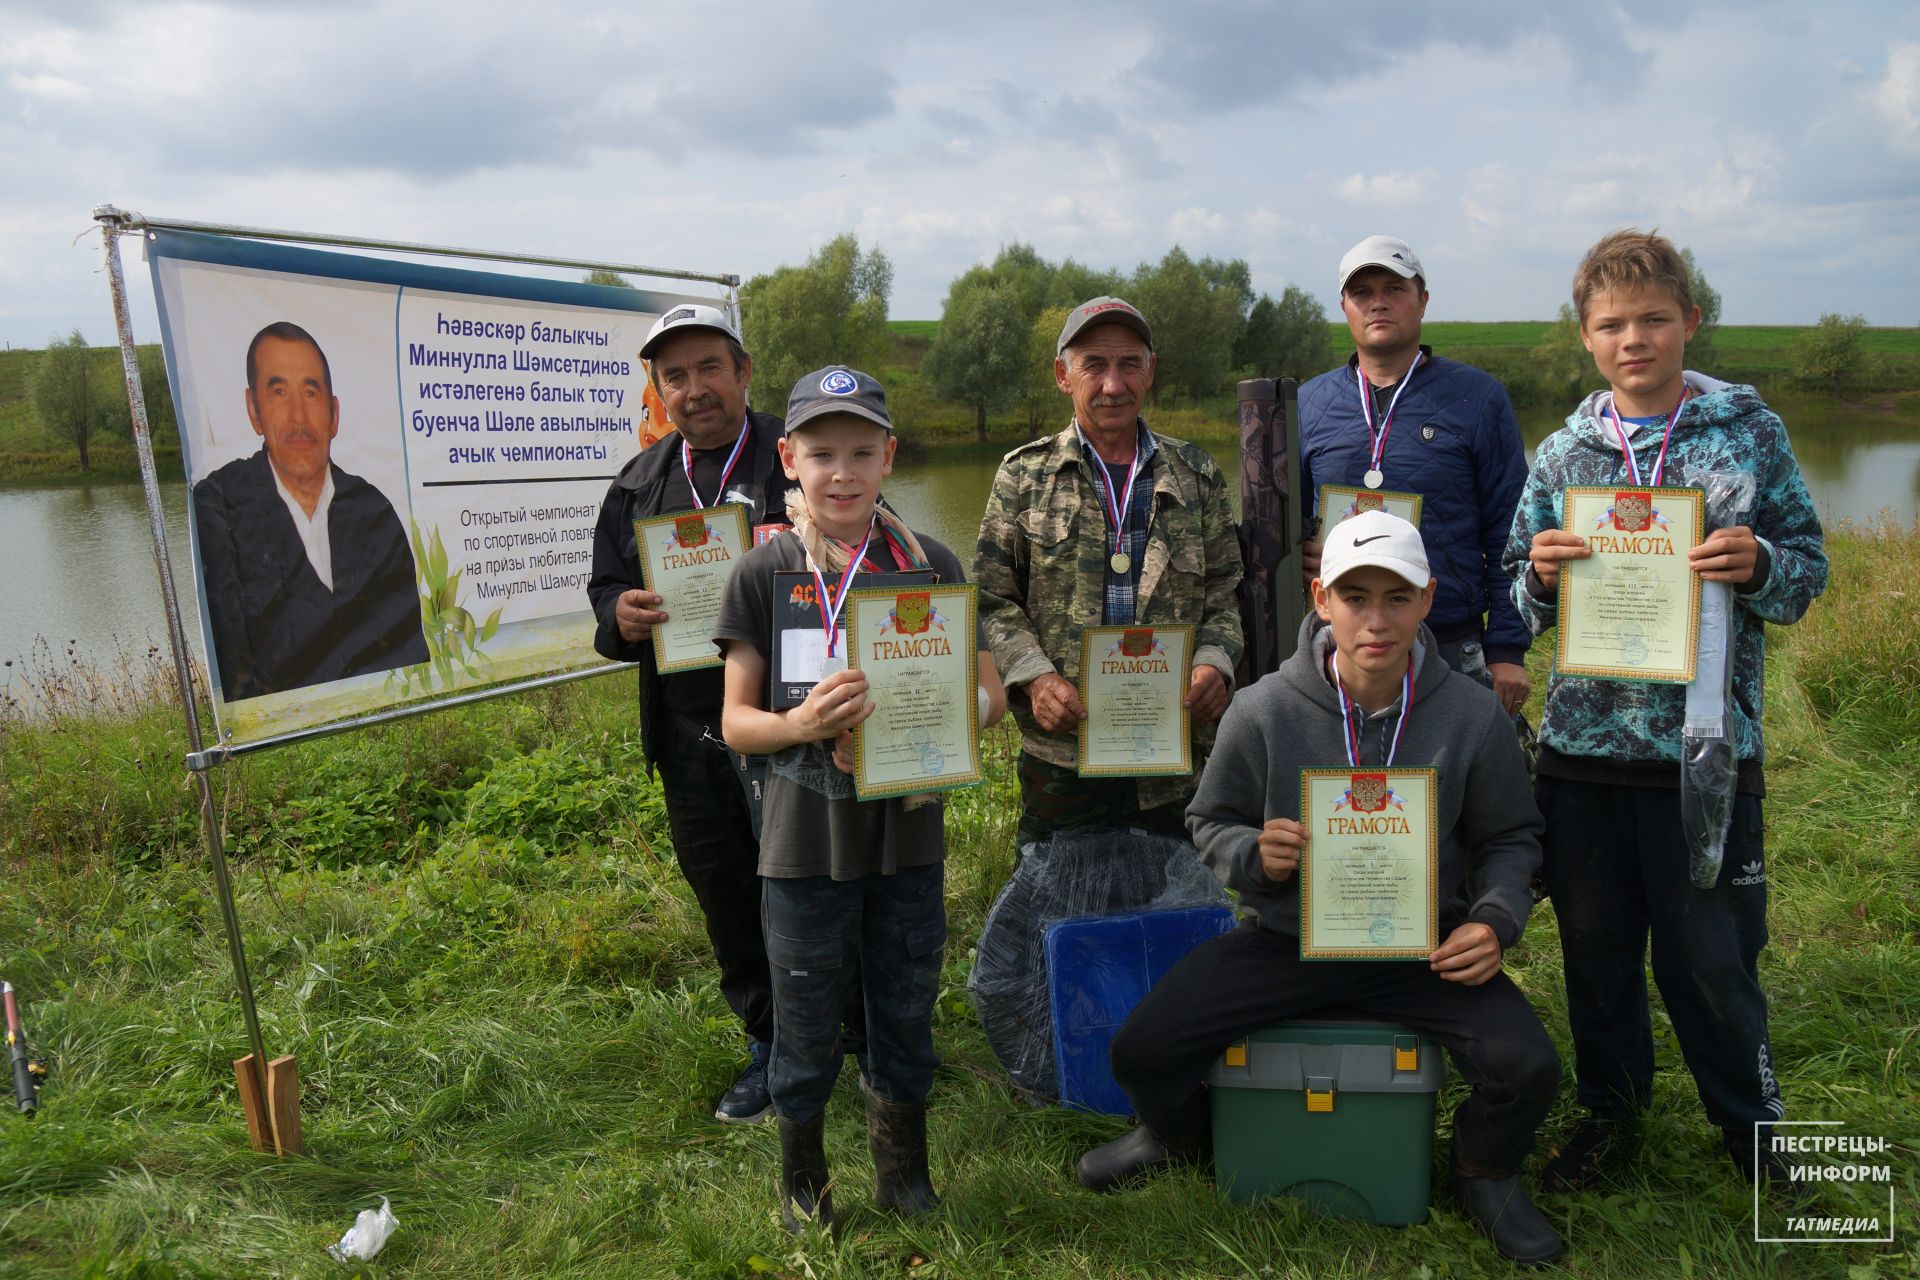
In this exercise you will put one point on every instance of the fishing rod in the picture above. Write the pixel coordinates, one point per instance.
(27, 1072)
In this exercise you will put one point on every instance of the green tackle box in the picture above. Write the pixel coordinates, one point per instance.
(1337, 1113)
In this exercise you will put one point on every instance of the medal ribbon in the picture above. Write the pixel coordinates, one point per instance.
(1626, 448)
(1352, 727)
(1377, 441)
(832, 603)
(1119, 504)
(686, 465)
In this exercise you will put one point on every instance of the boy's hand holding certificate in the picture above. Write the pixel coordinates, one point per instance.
(918, 650)
(1631, 609)
(686, 557)
(1367, 881)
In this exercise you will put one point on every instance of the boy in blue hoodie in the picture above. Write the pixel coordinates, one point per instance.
(1616, 856)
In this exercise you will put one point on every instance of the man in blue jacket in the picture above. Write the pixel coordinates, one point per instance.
(1398, 420)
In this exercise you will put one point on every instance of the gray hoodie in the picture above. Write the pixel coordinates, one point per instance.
(1290, 720)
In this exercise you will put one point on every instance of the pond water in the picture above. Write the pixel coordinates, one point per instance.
(79, 565)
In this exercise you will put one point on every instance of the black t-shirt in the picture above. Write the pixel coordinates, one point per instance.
(812, 824)
(696, 694)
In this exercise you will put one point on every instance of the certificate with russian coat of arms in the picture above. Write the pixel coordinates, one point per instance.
(1340, 502)
(1631, 610)
(919, 650)
(1368, 876)
(686, 557)
(1133, 683)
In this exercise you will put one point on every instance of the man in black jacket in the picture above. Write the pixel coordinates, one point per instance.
(307, 570)
(719, 452)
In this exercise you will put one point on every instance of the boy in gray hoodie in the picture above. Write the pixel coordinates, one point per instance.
(1366, 688)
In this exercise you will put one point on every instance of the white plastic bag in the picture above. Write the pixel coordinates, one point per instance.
(367, 1236)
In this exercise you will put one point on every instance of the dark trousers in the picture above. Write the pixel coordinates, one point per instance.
(1250, 979)
(875, 941)
(1616, 866)
(713, 840)
(1055, 798)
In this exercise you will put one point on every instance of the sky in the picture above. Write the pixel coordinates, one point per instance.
(1779, 141)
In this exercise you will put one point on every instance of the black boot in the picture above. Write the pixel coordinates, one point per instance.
(897, 1135)
(1770, 1169)
(1598, 1145)
(1503, 1210)
(1114, 1164)
(805, 1196)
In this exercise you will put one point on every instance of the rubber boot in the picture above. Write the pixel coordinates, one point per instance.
(897, 1135)
(805, 1195)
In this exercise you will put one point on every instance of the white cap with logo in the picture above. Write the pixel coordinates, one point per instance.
(1379, 539)
(692, 315)
(1381, 251)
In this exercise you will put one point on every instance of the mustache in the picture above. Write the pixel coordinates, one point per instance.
(1112, 402)
(700, 404)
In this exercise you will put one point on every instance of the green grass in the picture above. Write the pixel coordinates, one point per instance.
(469, 928)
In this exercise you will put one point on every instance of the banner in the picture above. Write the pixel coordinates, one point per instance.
(394, 469)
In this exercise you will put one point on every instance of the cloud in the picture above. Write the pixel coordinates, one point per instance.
(1896, 99)
(1395, 188)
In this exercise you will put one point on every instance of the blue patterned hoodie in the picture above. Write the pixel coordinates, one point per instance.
(1724, 428)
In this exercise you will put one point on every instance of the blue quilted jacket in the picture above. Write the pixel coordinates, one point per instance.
(1455, 442)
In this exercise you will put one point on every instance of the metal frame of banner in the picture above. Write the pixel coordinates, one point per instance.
(269, 1093)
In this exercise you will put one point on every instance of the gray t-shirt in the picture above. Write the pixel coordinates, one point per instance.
(812, 825)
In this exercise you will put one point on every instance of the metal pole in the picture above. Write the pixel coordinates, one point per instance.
(110, 228)
(128, 220)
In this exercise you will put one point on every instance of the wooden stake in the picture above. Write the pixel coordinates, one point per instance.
(283, 1105)
(254, 1103)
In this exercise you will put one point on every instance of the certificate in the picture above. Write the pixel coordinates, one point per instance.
(686, 557)
(1631, 611)
(918, 649)
(1341, 502)
(1368, 876)
(800, 658)
(1133, 683)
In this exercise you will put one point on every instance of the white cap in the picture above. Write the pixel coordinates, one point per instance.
(690, 316)
(1381, 251)
(1377, 538)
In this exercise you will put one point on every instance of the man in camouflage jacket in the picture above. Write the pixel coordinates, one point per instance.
(1050, 563)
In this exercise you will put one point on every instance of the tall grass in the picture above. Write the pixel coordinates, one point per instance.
(469, 928)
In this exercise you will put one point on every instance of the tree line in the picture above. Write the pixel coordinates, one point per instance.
(994, 349)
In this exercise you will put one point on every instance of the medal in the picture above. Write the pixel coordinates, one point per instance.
(831, 603)
(1377, 439)
(1117, 507)
(686, 465)
(1626, 448)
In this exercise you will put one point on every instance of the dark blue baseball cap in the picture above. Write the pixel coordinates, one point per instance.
(837, 389)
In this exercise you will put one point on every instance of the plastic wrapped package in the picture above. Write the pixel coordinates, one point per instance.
(1072, 874)
(1709, 767)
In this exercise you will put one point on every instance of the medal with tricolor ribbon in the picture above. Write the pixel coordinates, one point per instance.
(1377, 439)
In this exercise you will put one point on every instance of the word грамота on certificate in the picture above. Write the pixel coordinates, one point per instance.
(1631, 610)
(686, 557)
(1133, 683)
(919, 650)
(1367, 877)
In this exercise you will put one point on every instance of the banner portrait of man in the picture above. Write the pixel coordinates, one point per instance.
(309, 577)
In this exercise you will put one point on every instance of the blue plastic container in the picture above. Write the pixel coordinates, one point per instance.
(1098, 969)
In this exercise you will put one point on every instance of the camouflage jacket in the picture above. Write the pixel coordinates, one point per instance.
(1723, 428)
(1041, 567)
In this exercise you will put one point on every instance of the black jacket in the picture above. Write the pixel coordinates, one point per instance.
(639, 491)
(275, 625)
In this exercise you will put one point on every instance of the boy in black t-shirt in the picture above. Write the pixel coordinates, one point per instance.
(852, 890)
